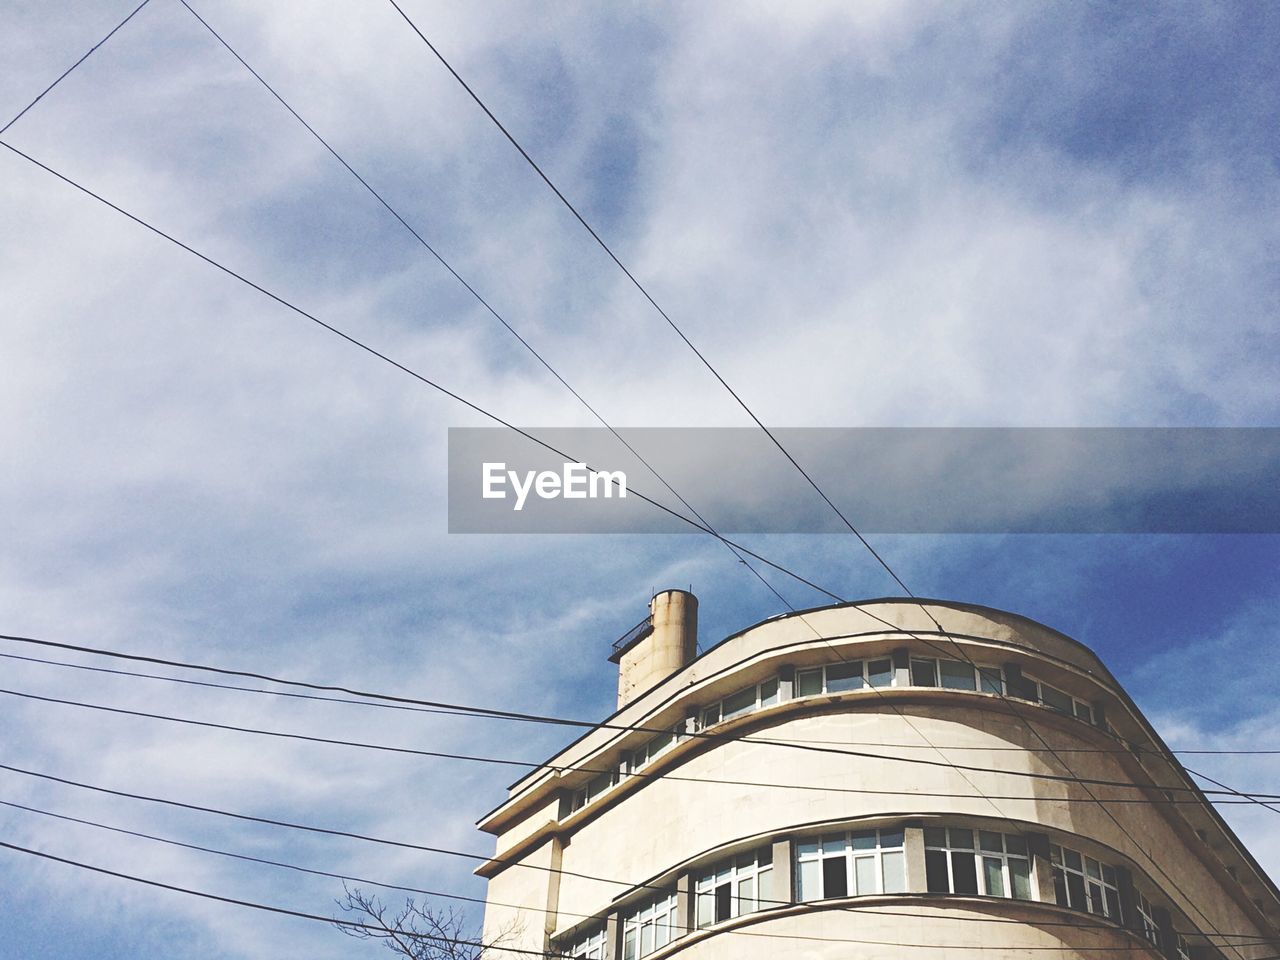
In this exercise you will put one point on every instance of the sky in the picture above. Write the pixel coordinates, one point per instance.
(883, 214)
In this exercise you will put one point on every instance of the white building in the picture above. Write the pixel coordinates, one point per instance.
(675, 828)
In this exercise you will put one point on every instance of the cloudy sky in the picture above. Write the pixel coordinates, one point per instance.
(872, 214)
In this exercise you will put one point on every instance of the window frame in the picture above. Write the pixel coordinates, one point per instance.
(713, 713)
(592, 945)
(824, 849)
(1060, 868)
(1147, 925)
(985, 679)
(654, 914)
(754, 867)
(980, 850)
(825, 681)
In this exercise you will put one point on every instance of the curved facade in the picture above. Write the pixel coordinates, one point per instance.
(850, 781)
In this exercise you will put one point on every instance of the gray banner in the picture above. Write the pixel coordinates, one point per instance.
(885, 480)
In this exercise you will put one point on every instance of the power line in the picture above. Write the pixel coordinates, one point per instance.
(234, 901)
(457, 941)
(395, 363)
(639, 286)
(604, 246)
(458, 711)
(348, 878)
(67, 72)
(469, 287)
(639, 774)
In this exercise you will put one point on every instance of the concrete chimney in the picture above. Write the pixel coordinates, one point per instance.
(659, 646)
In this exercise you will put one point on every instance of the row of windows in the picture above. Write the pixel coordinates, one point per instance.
(958, 860)
(839, 678)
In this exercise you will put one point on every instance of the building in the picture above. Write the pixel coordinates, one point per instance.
(756, 801)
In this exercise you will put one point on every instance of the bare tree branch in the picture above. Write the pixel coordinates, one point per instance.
(418, 931)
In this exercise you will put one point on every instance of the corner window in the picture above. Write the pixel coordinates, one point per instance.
(741, 885)
(856, 864)
(1182, 948)
(1083, 883)
(649, 926)
(976, 863)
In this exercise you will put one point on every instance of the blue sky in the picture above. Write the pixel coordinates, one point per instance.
(884, 214)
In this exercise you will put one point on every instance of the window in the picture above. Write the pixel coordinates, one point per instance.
(741, 885)
(856, 864)
(1147, 918)
(744, 701)
(977, 863)
(649, 927)
(588, 946)
(842, 677)
(1182, 948)
(1083, 883)
(655, 747)
(955, 675)
(1058, 701)
(596, 786)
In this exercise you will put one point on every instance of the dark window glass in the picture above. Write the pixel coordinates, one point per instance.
(1113, 906)
(863, 840)
(1056, 700)
(1060, 888)
(741, 702)
(880, 673)
(835, 880)
(923, 673)
(808, 682)
(891, 838)
(935, 872)
(844, 676)
(956, 675)
(935, 836)
(964, 873)
(1096, 903)
(1075, 891)
(724, 899)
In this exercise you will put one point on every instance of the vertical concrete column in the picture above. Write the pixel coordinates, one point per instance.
(786, 683)
(913, 853)
(684, 905)
(552, 913)
(902, 667)
(1042, 867)
(613, 936)
(691, 721)
(784, 887)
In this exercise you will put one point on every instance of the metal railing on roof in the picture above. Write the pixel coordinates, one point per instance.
(632, 636)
